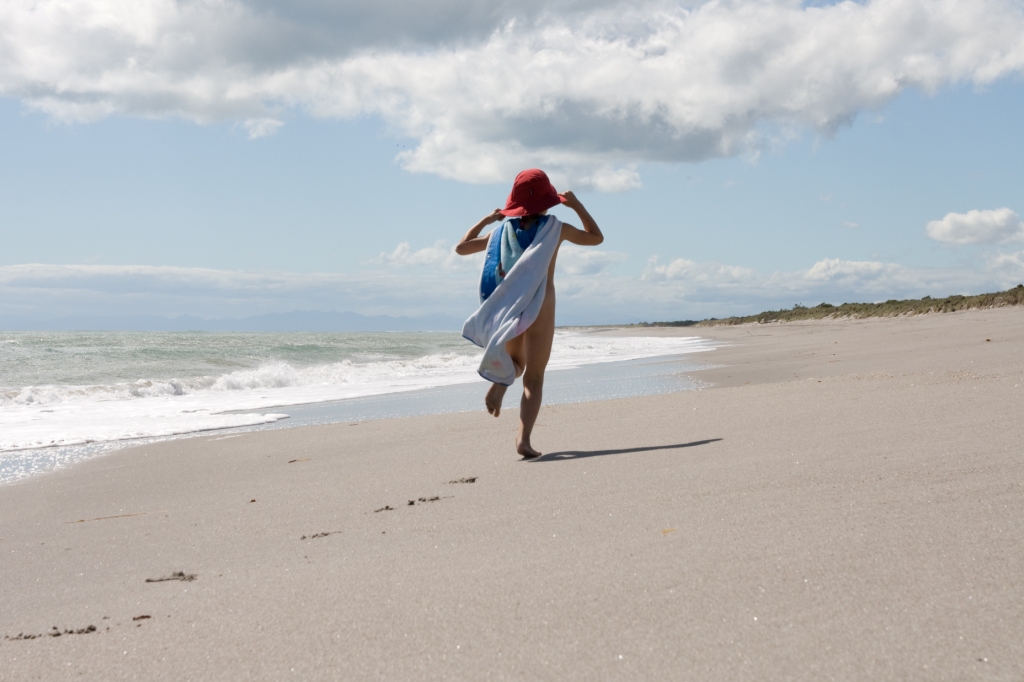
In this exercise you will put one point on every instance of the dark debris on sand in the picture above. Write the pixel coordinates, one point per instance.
(464, 480)
(321, 535)
(435, 498)
(55, 632)
(421, 500)
(179, 575)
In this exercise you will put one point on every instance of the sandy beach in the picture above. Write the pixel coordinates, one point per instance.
(847, 502)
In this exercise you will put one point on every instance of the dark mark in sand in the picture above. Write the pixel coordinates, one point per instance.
(411, 503)
(320, 535)
(179, 575)
(293, 461)
(55, 632)
(464, 480)
(143, 617)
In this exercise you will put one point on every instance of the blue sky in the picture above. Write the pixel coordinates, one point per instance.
(123, 200)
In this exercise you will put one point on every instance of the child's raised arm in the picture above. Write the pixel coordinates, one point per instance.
(590, 235)
(471, 242)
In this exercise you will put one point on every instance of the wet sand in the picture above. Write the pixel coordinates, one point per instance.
(848, 503)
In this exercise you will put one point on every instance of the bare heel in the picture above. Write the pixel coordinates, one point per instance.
(526, 451)
(493, 399)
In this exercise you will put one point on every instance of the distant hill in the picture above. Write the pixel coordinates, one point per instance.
(295, 321)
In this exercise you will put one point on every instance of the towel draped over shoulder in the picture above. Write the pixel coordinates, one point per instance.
(512, 287)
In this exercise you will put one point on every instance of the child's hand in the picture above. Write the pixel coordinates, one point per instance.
(495, 216)
(570, 200)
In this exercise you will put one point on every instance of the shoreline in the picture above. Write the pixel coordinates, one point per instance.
(845, 503)
(49, 409)
(586, 382)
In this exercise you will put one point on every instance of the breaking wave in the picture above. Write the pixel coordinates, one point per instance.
(55, 414)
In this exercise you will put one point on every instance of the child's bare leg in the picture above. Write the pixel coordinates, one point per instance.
(538, 351)
(496, 393)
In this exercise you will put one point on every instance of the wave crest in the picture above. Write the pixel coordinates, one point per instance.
(266, 376)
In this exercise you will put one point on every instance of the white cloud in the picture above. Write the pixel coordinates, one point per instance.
(585, 89)
(978, 227)
(440, 255)
(52, 290)
(261, 127)
(683, 288)
(589, 290)
(1009, 266)
(833, 269)
(688, 270)
(579, 260)
(572, 259)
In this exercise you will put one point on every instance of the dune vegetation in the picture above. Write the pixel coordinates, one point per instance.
(890, 308)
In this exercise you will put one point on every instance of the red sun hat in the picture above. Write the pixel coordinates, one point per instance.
(532, 193)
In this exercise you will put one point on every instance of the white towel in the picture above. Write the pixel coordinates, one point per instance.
(514, 305)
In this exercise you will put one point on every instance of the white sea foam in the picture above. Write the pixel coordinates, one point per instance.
(61, 415)
(346, 376)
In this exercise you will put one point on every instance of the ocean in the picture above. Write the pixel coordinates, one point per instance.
(65, 396)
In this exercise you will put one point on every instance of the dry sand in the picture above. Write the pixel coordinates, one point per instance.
(848, 505)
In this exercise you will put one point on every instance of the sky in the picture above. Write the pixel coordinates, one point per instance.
(226, 158)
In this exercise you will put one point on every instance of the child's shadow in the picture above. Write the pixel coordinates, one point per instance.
(580, 454)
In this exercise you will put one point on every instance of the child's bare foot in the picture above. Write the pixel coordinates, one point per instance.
(494, 397)
(526, 450)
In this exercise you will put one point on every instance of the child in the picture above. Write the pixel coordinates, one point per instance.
(516, 319)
